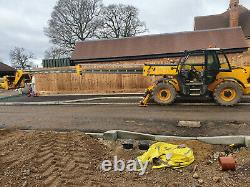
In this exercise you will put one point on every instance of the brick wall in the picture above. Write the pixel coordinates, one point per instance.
(242, 59)
(234, 13)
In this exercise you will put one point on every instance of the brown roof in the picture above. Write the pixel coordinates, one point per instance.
(157, 45)
(6, 68)
(222, 21)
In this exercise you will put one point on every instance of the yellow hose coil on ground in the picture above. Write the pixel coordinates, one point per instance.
(168, 155)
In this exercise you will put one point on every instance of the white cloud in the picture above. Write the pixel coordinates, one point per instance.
(22, 23)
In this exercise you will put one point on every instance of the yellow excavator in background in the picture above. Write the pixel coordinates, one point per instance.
(212, 76)
(15, 82)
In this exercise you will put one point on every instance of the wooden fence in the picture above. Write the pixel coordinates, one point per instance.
(109, 83)
(91, 83)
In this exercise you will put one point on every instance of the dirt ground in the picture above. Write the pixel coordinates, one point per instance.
(47, 158)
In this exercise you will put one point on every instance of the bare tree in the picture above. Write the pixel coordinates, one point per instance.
(20, 58)
(72, 21)
(56, 53)
(121, 21)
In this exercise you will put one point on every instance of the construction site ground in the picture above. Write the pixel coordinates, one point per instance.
(100, 114)
(46, 158)
(42, 141)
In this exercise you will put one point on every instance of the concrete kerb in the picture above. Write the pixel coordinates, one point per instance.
(225, 140)
(217, 140)
(96, 135)
(110, 135)
(247, 141)
(118, 134)
(100, 103)
(167, 138)
(89, 94)
(9, 96)
(102, 98)
(134, 135)
(31, 103)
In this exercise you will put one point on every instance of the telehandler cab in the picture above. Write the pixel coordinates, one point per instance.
(212, 76)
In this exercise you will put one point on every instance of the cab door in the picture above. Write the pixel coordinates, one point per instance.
(212, 66)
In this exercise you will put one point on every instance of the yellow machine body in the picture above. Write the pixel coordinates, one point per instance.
(239, 74)
(15, 82)
(214, 77)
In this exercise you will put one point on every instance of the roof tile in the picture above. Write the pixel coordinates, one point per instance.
(153, 45)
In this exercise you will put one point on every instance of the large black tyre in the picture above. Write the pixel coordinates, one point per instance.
(228, 93)
(164, 94)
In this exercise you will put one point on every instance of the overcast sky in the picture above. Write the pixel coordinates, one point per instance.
(22, 21)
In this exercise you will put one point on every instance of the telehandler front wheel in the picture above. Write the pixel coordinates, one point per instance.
(164, 94)
(228, 93)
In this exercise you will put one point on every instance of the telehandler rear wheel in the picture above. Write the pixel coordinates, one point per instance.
(228, 93)
(164, 94)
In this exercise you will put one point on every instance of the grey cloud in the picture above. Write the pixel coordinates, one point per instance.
(22, 23)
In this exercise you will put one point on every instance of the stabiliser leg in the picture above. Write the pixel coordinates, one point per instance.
(147, 96)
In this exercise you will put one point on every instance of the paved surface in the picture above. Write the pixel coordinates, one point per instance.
(61, 97)
(5, 94)
(110, 99)
(154, 119)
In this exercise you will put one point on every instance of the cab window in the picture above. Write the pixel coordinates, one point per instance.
(223, 61)
(198, 60)
(212, 61)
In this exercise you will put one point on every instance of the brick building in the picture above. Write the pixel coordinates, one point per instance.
(157, 47)
(6, 70)
(236, 15)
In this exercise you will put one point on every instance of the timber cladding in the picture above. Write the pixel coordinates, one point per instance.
(91, 83)
(70, 83)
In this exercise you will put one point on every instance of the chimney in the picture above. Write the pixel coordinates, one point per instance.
(234, 13)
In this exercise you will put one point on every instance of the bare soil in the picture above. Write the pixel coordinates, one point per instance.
(47, 158)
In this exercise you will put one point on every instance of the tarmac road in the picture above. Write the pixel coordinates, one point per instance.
(216, 120)
(109, 98)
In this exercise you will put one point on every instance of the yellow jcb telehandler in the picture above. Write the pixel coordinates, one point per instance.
(212, 76)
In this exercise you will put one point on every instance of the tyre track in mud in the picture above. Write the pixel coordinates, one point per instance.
(51, 159)
(62, 161)
(45, 158)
